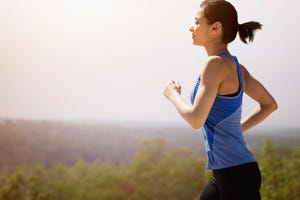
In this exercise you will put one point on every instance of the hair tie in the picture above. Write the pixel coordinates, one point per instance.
(239, 27)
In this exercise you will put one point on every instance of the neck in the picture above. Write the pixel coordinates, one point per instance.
(215, 49)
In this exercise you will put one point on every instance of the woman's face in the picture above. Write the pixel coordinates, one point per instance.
(200, 30)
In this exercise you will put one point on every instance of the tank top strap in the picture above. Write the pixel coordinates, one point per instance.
(224, 54)
(238, 67)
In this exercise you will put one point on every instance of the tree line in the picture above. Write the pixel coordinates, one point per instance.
(154, 173)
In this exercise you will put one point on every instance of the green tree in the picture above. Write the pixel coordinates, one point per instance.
(273, 174)
(154, 174)
(58, 182)
(293, 182)
(160, 175)
(14, 188)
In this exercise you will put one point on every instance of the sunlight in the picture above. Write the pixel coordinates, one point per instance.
(81, 18)
(104, 9)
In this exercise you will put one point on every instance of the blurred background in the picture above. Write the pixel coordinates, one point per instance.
(81, 97)
(110, 60)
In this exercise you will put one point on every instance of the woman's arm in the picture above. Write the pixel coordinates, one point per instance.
(196, 114)
(266, 103)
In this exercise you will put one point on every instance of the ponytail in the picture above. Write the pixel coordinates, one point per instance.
(246, 30)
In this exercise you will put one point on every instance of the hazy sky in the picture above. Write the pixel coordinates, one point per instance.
(110, 59)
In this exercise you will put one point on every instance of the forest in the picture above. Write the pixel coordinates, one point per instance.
(51, 166)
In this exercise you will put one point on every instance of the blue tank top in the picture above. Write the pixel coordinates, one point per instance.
(222, 131)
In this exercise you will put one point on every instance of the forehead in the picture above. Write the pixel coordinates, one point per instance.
(200, 14)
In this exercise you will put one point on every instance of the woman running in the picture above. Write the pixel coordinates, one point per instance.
(217, 101)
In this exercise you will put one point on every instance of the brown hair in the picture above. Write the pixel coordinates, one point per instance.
(225, 13)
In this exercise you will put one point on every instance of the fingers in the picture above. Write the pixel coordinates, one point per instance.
(177, 83)
(171, 87)
(174, 82)
(171, 82)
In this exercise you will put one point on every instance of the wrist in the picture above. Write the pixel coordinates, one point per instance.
(174, 96)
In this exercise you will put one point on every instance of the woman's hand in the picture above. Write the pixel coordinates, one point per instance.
(171, 88)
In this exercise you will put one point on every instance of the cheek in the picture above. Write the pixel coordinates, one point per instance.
(203, 32)
(199, 33)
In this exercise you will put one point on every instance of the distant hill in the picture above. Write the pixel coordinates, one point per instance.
(50, 142)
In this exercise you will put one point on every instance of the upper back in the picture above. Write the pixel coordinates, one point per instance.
(230, 81)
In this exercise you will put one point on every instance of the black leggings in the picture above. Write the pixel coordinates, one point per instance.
(240, 182)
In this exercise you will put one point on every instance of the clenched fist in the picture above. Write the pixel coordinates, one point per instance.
(171, 88)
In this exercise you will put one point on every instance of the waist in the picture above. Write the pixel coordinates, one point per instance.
(246, 167)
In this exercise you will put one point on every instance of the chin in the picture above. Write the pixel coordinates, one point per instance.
(196, 44)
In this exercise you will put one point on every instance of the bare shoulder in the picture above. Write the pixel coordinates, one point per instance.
(244, 70)
(246, 75)
(212, 65)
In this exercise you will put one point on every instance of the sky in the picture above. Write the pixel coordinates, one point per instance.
(110, 59)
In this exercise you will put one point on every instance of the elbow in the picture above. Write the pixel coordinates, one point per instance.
(273, 106)
(195, 120)
(270, 107)
(197, 125)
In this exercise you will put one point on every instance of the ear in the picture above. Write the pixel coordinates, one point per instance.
(216, 28)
